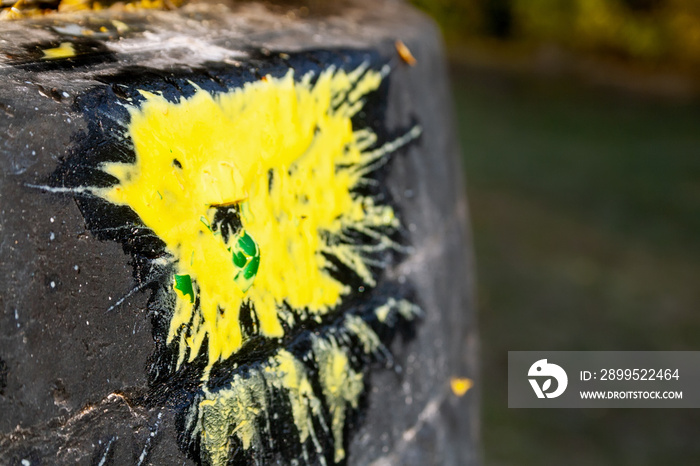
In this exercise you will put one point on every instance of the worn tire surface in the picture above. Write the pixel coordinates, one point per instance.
(77, 383)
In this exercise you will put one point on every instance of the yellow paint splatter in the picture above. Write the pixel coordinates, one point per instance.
(341, 387)
(406, 309)
(237, 409)
(240, 409)
(287, 373)
(460, 385)
(232, 412)
(283, 154)
(65, 50)
(363, 332)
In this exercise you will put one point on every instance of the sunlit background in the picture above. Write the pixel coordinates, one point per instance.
(580, 127)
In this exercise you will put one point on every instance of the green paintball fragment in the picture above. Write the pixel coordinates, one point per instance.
(246, 256)
(183, 283)
(239, 259)
(247, 244)
(252, 268)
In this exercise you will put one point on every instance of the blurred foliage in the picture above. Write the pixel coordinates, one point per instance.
(585, 206)
(646, 30)
(20, 9)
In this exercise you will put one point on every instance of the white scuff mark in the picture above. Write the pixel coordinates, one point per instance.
(69, 30)
(61, 189)
(106, 451)
(134, 290)
(121, 228)
(385, 71)
(164, 42)
(428, 413)
(149, 439)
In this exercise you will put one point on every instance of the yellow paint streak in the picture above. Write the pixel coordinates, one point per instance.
(240, 408)
(460, 385)
(364, 333)
(229, 412)
(229, 146)
(341, 387)
(404, 308)
(65, 50)
(287, 373)
(236, 409)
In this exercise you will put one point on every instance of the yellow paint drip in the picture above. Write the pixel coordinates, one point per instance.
(237, 410)
(229, 412)
(65, 50)
(240, 408)
(364, 333)
(405, 309)
(460, 385)
(286, 153)
(341, 387)
(287, 373)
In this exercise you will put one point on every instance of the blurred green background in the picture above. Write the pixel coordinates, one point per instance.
(657, 32)
(580, 127)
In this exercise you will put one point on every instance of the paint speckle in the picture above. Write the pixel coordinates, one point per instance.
(405, 53)
(52, 236)
(65, 50)
(460, 385)
(52, 284)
